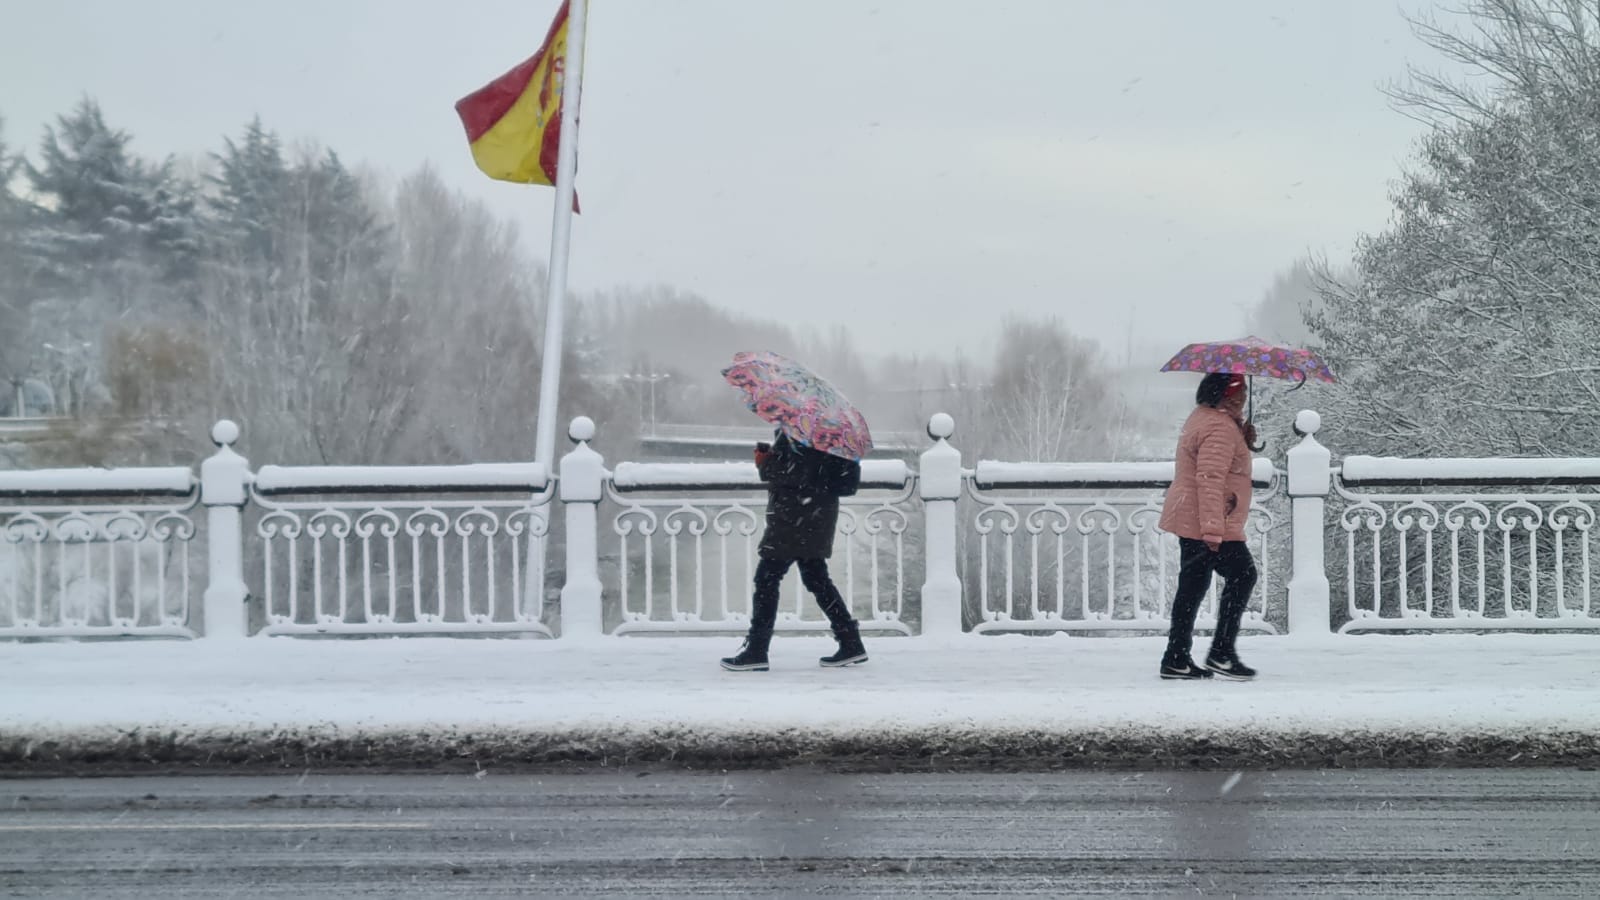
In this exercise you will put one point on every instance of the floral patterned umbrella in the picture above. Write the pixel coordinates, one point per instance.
(807, 408)
(1251, 356)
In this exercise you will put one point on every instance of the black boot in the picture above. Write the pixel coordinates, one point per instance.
(851, 652)
(752, 656)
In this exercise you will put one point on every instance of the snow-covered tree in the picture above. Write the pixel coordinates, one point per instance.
(17, 266)
(1050, 397)
(1469, 326)
(248, 201)
(11, 205)
(111, 240)
(312, 351)
(477, 302)
(106, 205)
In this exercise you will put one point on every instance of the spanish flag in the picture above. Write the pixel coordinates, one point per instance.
(514, 122)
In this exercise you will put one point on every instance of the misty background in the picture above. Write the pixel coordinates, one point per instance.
(1015, 217)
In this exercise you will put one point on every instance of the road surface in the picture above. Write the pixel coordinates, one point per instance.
(1435, 833)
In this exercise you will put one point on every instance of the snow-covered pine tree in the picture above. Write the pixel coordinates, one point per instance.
(115, 239)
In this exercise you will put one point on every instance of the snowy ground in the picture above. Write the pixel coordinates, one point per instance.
(1007, 701)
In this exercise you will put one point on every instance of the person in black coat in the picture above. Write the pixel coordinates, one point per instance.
(803, 490)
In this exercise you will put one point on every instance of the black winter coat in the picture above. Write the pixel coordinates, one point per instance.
(803, 491)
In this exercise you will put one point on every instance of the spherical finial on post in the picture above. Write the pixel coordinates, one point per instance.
(224, 433)
(941, 426)
(1306, 422)
(581, 430)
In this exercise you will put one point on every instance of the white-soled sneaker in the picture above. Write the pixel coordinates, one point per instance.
(1184, 671)
(1230, 667)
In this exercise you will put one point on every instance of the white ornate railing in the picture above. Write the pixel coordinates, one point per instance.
(390, 550)
(1428, 553)
(1411, 545)
(1076, 547)
(686, 537)
(77, 561)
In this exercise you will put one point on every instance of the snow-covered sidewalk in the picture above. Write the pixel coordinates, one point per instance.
(1445, 698)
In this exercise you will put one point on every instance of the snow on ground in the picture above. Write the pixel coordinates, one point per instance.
(1419, 684)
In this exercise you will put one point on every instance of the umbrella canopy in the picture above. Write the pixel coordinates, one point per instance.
(801, 403)
(1250, 356)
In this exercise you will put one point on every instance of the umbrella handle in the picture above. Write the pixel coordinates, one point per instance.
(1250, 417)
(1301, 383)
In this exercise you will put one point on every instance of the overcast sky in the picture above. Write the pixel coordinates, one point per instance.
(915, 168)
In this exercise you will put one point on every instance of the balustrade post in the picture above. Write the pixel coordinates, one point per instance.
(1310, 476)
(224, 477)
(939, 483)
(582, 483)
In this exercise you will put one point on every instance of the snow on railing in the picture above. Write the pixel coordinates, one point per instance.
(73, 564)
(686, 537)
(401, 549)
(1415, 544)
(1076, 547)
(1422, 550)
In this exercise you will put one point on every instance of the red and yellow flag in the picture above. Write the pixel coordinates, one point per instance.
(514, 122)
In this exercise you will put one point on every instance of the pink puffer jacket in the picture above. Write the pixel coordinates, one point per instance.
(1209, 499)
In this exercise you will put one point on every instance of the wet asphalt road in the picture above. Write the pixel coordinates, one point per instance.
(1438, 833)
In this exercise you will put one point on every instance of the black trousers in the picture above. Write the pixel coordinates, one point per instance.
(814, 575)
(1197, 562)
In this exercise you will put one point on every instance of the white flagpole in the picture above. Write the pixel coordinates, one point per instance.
(560, 239)
(556, 293)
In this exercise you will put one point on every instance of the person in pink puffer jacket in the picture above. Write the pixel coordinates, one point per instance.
(1206, 508)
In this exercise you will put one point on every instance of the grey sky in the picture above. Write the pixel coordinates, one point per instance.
(915, 168)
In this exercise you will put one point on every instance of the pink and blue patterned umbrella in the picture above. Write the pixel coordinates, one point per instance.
(807, 408)
(1250, 356)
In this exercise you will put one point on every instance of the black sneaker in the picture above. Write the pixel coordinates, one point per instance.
(1230, 667)
(1183, 671)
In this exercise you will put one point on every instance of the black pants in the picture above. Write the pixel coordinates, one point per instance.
(1238, 570)
(814, 575)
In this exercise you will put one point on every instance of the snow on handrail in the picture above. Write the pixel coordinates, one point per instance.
(876, 473)
(357, 479)
(748, 435)
(1384, 471)
(145, 480)
(1096, 475)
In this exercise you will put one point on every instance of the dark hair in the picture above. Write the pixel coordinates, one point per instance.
(1212, 388)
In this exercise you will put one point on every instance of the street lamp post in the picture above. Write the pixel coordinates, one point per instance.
(651, 378)
(74, 366)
